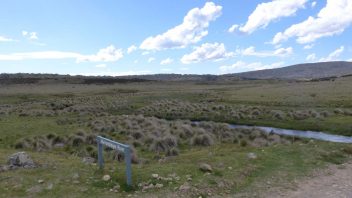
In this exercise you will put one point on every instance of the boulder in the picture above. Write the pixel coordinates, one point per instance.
(251, 156)
(159, 185)
(155, 176)
(185, 187)
(106, 178)
(21, 159)
(88, 160)
(205, 167)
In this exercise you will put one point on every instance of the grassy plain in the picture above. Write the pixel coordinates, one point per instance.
(33, 111)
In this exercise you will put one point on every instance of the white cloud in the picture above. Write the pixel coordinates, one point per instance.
(233, 28)
(281, 52)
(166, 61)
(5, 39)
(24, 33)
(145, 53)
(333, 56)
(39, 55)
(314, 3)
(267, 12)
(101, 66)
(192, 30)
(207, 51)
(308, 46)
(333, 19)
(33, 36)
(240, 65)
(108, 54)
(151, 59)
(311, 57)
(131, 49)
(30, 35)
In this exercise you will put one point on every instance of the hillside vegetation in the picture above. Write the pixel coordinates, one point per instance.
(307, 71)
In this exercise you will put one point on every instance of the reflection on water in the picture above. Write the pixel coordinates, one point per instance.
(304, 134)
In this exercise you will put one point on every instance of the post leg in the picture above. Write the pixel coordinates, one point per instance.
(100, 156)
(128, 166)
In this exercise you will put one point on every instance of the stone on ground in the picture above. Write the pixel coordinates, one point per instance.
(205, 167)
(21, 159)
(106, 178)
(251, 156)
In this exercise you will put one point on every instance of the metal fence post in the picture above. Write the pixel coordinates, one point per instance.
(100, 155)
(128, 166)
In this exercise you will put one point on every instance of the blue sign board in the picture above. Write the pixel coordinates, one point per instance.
(119, 147)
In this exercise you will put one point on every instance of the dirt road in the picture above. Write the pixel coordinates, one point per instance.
(335, 182)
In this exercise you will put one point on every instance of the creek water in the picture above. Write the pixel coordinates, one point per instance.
(304, 134)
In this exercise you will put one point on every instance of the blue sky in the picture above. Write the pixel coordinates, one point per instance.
(123, 37)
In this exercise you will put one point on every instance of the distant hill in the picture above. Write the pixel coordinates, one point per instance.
(309, 71)
(301, 71)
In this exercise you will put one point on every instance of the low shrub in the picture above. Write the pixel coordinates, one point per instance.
(202, 140)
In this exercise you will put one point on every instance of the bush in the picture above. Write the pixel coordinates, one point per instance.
(348, 150)
(50, 136)
(81, 132)
(158, 145)
(58, 140)
(172, 152)
(137, 143)
(91, 139)
(325, 113)
(77, 141)
(243, 143)
(202, 140)
(338, 111)
(137, 135)
(170, 141)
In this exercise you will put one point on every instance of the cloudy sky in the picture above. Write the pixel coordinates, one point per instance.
(125, 37)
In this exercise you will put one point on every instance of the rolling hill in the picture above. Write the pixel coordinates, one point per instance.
(307, 71)
(301, 71)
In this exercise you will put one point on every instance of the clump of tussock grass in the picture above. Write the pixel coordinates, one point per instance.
(347, 112)
(202, 139)
(50, 136)
(300, 115)
(151, 134)
(58, 140)
(338, 111)
(119, 156)
(137, 135)
(314, 114)
(172, 152)
(325, 113)
(277, 114)
(163, 144)
(76, 141)
(81, 133)
(243, 143)
(24, 144)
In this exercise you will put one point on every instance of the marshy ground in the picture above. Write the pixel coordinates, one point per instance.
(57, 122)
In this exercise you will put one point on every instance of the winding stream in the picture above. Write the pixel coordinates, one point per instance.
(303, 134)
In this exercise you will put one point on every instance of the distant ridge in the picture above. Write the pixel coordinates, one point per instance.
(301, 71)
(307, 71)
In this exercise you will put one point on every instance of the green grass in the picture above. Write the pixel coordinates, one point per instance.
(279, 165)
(14, 128)
(273, 163)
